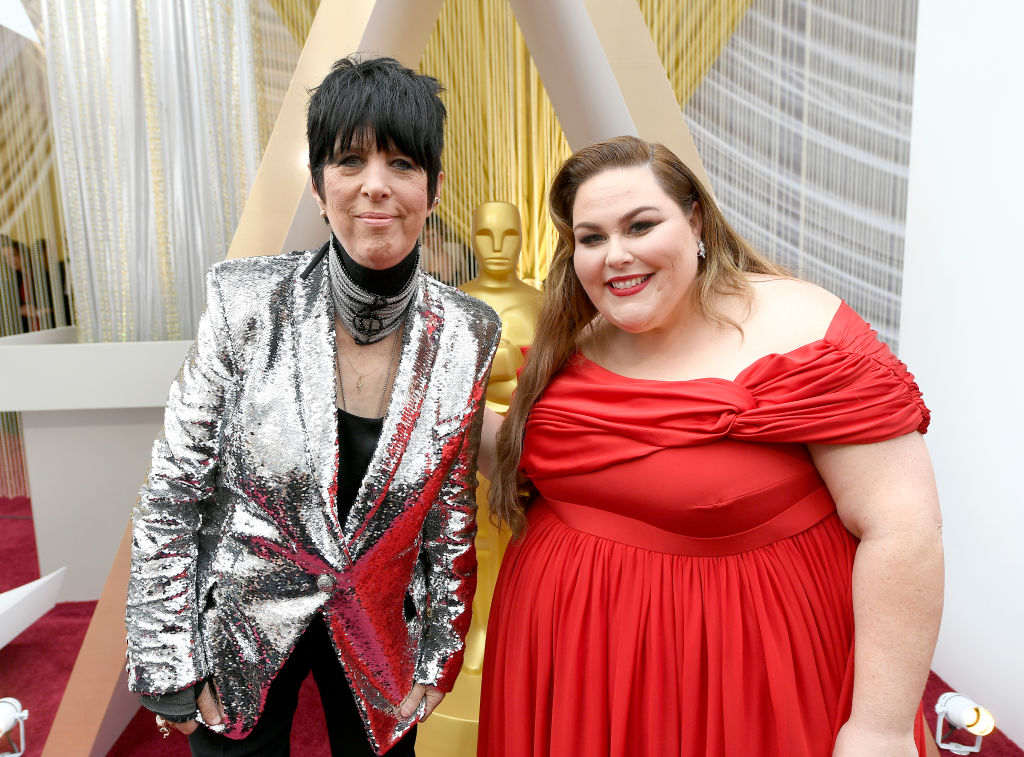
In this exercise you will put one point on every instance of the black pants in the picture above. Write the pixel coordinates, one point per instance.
(272, 735)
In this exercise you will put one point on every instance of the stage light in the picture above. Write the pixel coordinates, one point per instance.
(11, 714)
(962, 712)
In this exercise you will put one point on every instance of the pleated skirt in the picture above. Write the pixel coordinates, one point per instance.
(598, 646)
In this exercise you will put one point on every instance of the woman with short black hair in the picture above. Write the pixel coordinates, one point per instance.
(311, 502)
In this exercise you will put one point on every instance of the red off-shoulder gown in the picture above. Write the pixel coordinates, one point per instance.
(684, 583)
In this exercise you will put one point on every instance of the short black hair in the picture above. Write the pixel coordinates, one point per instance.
(400, 107)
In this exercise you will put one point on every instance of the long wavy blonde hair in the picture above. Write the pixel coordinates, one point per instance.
(567, 312)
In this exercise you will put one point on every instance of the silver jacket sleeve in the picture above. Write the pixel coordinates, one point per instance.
(448, 546)
(162, 613)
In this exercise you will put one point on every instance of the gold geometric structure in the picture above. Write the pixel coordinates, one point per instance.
(603, 75)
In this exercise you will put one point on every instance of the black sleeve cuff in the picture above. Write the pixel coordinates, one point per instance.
(176, 707)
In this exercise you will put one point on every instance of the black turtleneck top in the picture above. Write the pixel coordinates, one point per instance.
(387, 282)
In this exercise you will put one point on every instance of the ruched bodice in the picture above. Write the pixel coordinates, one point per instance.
(846, 387)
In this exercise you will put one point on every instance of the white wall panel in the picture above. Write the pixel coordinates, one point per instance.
(961, 331)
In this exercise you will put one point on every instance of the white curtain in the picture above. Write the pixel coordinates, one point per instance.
(803, 123)
(157, 144)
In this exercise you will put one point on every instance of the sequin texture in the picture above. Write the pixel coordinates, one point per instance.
(236, 538)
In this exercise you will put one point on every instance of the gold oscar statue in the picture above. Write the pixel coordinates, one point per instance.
(497, 241)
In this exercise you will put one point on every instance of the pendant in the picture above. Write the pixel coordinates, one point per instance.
(359, 384)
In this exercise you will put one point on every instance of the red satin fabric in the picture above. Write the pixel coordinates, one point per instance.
(684, 584)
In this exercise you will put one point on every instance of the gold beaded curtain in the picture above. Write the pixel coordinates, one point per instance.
(503, 141)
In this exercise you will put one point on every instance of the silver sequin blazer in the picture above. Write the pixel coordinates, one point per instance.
(236, 538)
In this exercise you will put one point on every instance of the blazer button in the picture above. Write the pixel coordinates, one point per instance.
(325, 582)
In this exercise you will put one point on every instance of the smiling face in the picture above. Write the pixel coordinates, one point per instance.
(376, 202)
(635, 249)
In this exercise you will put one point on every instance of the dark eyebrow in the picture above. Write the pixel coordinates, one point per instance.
(623, 219)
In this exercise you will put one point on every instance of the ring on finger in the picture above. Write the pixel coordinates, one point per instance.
(161, 725)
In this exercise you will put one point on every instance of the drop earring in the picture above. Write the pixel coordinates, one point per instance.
(701, 251)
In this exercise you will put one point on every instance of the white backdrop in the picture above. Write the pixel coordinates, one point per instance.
(154, 120)
(961, 331)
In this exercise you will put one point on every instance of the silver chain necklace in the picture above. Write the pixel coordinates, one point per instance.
(359, 383)
(368, 317)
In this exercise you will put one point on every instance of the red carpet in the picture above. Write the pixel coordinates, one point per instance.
(35, 667)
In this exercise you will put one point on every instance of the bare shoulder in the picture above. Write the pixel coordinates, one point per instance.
(786, 313)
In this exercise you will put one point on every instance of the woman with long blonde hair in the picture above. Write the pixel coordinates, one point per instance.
(719, 488)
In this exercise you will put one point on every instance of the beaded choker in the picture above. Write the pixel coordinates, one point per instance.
(366, 315)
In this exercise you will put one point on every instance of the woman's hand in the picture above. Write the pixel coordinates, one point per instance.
(856, 741)
(421, 692)
(209, 706)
